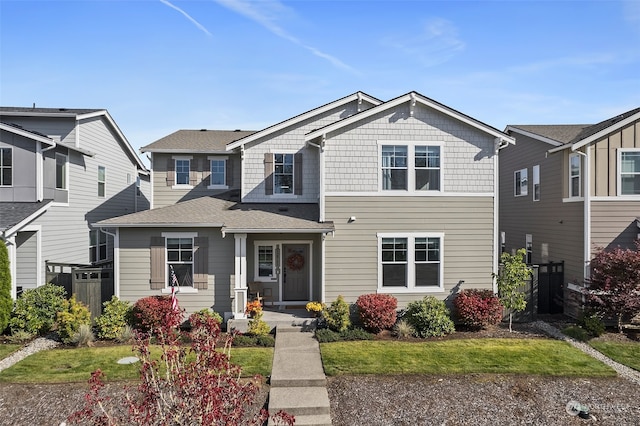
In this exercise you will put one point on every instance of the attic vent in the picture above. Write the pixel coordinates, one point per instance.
(237, 130)
(203, 130)
(283, 208)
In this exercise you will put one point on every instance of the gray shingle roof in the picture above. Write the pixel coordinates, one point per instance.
(62, 111)
(562, 133)
(12, 213)
(229, 215)
(592, 130)
(196, 140)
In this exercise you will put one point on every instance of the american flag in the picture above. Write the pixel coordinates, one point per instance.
(174, 291)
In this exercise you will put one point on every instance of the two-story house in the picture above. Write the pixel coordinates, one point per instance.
(567, 191)
(356, 196)
(60, 171)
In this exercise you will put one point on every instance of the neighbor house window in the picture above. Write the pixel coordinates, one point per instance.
(427, 168)
(536, 183)
(410, 262)
(503, 242)
(102, 180)
(6, 167)
(529, 248)
(520, 182)
(575, 175)
(394, 167)
(61, 171)
(97, 246)
(629, 172)
(218, 172)
(183, 168)
(283, 174)
(138, 192)
(180, 259)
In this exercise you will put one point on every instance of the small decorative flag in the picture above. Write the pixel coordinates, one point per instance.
(174, 291)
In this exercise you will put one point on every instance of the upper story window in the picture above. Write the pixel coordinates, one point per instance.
(520, 183)
(427, 164)
(183, 169)
(61, 171)
(575, 175)
(218, 172)
(102, 181)
(97, 246)
(536, 183)
(6, 167)
(411, 167)
(283, 174)
(394, 167)
(629, 176)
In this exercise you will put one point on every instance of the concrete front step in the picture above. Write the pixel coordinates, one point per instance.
(317, 420)
(300, 401)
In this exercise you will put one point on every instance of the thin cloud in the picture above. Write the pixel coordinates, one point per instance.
(186, 15)
(266, 14)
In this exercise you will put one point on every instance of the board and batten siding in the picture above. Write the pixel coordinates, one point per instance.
(556, 225)
(351, 262)
(165, 194)
(135, 268)
(352, 158)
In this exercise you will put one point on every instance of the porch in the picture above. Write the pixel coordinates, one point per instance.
(298, 317)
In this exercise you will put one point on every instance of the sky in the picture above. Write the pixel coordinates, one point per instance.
(159, 66)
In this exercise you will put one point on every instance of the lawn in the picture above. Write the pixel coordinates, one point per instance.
(7, 349)
(76, 365)
(627, 353)
(461, 356)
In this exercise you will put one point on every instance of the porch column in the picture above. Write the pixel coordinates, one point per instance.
(13, 258)
(240, 287)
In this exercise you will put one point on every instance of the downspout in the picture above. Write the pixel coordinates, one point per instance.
(321, 207)
(499, 144)
(116, 260)
(587, 212)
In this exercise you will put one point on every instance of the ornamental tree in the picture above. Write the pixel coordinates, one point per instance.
(512, 275)
(614, 284)
(6, 303)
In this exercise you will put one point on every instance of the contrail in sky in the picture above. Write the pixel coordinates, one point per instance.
(186, 15)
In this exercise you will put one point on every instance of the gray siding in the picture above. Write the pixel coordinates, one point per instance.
(614, 224)
(556, 226)
(135, 272)
(26, 255)
(352, 253)
(24, 182)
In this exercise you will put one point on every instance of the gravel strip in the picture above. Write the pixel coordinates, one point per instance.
(39, 344)
(622, 370)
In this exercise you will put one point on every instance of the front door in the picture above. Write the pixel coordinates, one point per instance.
(295, 275)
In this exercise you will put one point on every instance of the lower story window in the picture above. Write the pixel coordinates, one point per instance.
(410, 262)
(180, 262)
(265, 261)
(97, 246)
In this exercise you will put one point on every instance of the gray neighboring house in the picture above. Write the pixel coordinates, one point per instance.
(567, 191)
(356, 196)
(61, 170)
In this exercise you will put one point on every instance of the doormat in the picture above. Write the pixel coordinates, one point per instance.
(291, 307)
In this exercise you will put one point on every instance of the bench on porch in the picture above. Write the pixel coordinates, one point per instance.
(257, 291)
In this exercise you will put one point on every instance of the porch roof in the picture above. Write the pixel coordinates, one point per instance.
(14, 215)
(230, 216)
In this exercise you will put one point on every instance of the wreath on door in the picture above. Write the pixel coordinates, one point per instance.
(295, 262)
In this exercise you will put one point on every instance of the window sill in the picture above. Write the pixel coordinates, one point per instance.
(572, 199)
(265, 279)
(410, 290)
(182, 187)
(283, 196)
(218, 187)
(181, 290)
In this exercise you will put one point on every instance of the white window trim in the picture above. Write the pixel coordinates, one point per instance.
(411, 169)
(165, 235)
(276, 246)
(177, 185)
(66, 171)
(411, 287)
(226, 162)
(293, 192)
(535, 181)
(524, 190)
(104, 182)
(619, 174)
(13, 162)
(579, 195)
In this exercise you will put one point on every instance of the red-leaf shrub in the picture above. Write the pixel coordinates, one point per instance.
(154, 313)
(377, 311)
(478, 308)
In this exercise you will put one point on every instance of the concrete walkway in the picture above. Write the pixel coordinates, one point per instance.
(298, 383)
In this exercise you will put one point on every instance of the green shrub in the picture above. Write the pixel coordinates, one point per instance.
(36, 310)
(242, 340)
(257, 326)
(592, 323)
(326, 335)
(266, 340)
(20, 336)
(125, 335)
(576, 332)
(116, 315)
(206, 312)
(6, 302)
(429, 317)
(84, 336)
(403, 329)
(71, 317)
(337, 315)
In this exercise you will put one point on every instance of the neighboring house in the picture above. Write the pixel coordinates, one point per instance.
(60, 171)
(357, 196)
(567, 191)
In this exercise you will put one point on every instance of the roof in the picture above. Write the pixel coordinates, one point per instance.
(412, 98)
(229, 215)
(196, 141)
(33, 111)
(31, 134)
(358, 96)
(14, 215)
(554, 134)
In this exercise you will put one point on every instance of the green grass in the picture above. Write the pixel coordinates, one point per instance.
(7, 349)
(464, 356)
(627, 353)
(76, 365)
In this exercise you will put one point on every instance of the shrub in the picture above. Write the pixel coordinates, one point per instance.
(257, 326)
(592, 324)
(36, 310)
(6, 302)
(71, 317)
(242, 340)
(403, 329)
(207, 313)
(266, 340)
(125, 334)
(84, 336)
(429, 317)
(115, 316)
(377, 311)
(154, 313)
(576, 332)
(326, 335)
(478, 308)
(336, 315)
